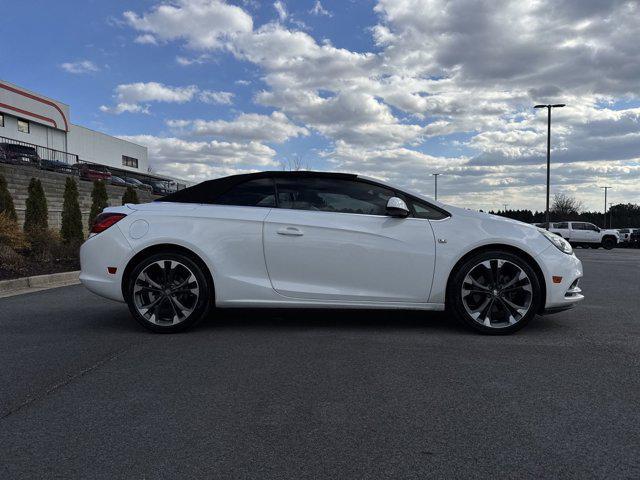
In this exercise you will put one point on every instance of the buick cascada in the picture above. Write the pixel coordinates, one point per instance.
(323, 240)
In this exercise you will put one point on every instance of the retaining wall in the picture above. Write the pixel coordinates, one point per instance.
(18, 178)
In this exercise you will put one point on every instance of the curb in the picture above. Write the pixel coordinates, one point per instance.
(17, 286)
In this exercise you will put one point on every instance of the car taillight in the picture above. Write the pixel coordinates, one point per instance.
(105, 220)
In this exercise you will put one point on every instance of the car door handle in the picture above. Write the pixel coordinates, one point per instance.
(292, 231)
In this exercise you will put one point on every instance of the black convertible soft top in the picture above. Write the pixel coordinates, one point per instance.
(209, 190)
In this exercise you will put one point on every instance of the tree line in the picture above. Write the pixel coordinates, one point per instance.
(567, 208)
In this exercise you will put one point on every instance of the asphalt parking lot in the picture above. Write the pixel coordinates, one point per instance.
(87, 393)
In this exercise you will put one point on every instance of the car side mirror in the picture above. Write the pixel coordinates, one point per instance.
(396, 207)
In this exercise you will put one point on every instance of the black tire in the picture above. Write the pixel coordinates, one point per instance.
(455, 303)
(200, 306)
(608, 243)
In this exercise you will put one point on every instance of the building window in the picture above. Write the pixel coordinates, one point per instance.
(129, 161)
(23, 126)
(1, 120)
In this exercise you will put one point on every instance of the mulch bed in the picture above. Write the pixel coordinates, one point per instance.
(33, 267)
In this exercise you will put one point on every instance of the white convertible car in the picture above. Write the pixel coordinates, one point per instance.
(323, 240)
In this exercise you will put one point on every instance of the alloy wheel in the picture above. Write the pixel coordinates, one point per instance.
(497, 293)
(166, 292)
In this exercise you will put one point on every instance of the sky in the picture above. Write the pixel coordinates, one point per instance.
(392, 89)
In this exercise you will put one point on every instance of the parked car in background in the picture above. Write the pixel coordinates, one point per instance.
(19, 154)
(159, 187)
(56, 166)
(93, 171)
(134, 182)
(634, 238)
(586, 234)
(117, 181)
(625, 234)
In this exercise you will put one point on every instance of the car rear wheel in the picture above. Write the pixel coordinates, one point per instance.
(168, 292)
(608, 243)
(495, 292)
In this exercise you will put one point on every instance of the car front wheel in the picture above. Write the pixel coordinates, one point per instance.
(495, 292)
(608, 243)
(168, 292)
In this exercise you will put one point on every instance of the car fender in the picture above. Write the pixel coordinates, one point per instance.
(463, 233)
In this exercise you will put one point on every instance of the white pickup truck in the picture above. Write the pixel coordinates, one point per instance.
(586, 234)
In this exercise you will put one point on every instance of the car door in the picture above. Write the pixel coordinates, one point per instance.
(561, 228)
(331, 239)
(592, 233)
(578, 232)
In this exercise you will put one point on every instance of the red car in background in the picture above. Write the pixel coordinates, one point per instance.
(91, 172)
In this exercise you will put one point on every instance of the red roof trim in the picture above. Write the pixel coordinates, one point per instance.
(38, 99)
(26, 112)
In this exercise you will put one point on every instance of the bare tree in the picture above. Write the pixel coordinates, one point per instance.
(294, 164)
(565, 205)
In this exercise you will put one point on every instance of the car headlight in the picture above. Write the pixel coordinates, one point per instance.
(560, 243)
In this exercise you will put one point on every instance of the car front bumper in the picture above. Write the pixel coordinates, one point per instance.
(562, 274)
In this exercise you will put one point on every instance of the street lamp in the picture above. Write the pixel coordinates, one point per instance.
(435, 177)
(549, 107)
(610, 215)
(605, 205)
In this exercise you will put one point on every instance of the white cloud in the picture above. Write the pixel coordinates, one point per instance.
(146, 39)
(318, 9)
(220, 98)
(125, 107)
(198, 60)
(154, 92)
(80, 67)
(247, 127)
(134, 97)
(195, 160)
(281, 10)
(201, 23)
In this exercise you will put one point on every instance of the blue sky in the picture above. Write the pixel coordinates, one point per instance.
(391, 88)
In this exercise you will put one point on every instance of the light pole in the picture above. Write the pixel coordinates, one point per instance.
(435, 177)
(610, 215)
(505, 206)
(605, 205)
(549, 107)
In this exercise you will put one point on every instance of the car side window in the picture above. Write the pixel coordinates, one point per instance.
(592, 227)
(254, 193)
(332, 195)
(424, 210)
(578, 226)
(563, 225)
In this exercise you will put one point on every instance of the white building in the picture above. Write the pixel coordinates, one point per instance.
(32, 118)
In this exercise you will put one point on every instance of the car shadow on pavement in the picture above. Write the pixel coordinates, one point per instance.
(241, 319)
(304, 319)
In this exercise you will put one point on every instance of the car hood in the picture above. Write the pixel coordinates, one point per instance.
(486, 216)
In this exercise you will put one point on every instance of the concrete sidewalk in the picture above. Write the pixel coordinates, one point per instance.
(18, 286)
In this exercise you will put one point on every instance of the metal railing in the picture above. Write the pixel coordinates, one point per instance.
(45, 153)
(72, 160)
